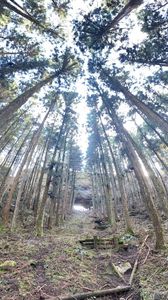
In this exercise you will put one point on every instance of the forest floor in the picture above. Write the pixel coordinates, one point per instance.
(57, 265)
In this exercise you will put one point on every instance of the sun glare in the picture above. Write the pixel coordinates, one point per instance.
(78, 207)
(82, 112)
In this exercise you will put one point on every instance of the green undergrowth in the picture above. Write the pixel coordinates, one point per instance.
(2, 228)
(126, 238)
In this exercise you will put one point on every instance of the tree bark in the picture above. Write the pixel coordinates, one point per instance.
(144, 108)
(27, 163)
(125, 11)
(3, 183)
(37, 193)
(21, 12)
(120, 182)
(156, 185)
(142, 180)
(7, 112)
(41, 208)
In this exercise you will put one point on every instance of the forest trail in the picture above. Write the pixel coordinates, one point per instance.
(57, 265)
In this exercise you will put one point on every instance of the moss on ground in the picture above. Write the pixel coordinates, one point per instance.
(57, 264)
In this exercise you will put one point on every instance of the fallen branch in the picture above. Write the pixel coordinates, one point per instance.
(149, 249)
(97, 293)
(118, 272)
(136, 261)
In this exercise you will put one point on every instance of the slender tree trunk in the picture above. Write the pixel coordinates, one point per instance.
(107, 191)
(5, 178)
(152, 149)
(142, 180)
(94, 202)
(156, 185)
(28, 160)
(39, 186)
(125, 11)
(41, 208)
(144, 108)
(110, 203)
(120, 182)
(7, 112)
(13, 147)
(58, 213)
(65, 196)
(158, 174)
(72, 195)
(21, 12)
(150, 126)
(7, 206)
(33, 178)
(101, 191)
(8, 129)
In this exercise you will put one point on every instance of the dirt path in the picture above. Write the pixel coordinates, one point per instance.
(58, 265)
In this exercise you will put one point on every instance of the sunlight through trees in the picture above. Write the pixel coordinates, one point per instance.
(67, 71)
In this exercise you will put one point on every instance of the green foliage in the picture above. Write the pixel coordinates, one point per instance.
(126, 238)
(4, 20)
(2, 228)
(8, 264)
(152, 50)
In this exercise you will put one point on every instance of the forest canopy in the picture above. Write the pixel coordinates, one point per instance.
(83, 72)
